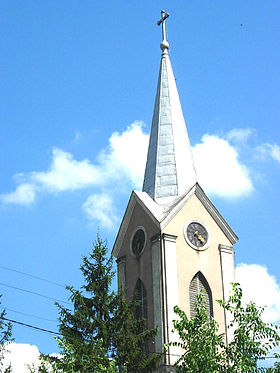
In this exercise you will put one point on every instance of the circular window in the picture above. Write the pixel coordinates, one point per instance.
(138, 241)
(196, 235)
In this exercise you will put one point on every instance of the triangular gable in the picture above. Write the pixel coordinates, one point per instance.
(153, 210)
(162, 215)
(206, 202)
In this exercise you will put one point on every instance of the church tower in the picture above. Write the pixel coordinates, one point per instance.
(172, 241)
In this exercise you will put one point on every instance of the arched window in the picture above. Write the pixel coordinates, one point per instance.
(140, 295)
(199, 284)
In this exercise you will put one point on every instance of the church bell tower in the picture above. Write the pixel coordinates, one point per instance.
(173, 242)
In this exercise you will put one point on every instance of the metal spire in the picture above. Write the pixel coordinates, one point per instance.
(170, 170)
(164, 44)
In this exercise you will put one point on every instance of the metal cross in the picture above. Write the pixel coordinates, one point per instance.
(164, 15)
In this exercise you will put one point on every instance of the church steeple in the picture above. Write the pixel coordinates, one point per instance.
(170, 169)
(173, 242)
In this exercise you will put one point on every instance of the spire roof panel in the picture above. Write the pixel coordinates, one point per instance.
(170, 169)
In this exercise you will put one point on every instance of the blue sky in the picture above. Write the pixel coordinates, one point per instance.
(78, 81)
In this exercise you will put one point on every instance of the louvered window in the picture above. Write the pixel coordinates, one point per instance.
(199, 284)
(140, 295)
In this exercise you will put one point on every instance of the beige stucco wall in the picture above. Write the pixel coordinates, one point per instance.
(190, 261)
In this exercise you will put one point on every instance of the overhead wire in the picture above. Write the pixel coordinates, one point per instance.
(34, 276)
(59, 334)
(35, 293)
(31, 326)
(27, 314)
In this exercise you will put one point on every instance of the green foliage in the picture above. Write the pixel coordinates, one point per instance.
(253, 338)
(5, 337)
(203, 347)
(100, 332)
(276, 366)
(132, 340)
(206, 351)
(86, 330)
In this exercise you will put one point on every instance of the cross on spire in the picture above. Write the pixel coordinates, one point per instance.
(164, 44)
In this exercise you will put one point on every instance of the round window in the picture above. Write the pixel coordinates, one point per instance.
(138, 241)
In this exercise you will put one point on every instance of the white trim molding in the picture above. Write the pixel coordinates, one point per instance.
(227, 273)
(157, 292)
(171, 294)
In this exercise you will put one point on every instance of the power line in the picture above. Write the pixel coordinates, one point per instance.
(33, 276)
(33, 292)
(59, 334)
(27, 314)
(31, 326)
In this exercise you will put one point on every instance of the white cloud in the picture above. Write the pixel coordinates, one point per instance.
(268, 150)
(100, 207)
(124, 158)
(126, 155)
(121, 166)
(275, 152)
(77, 137)
(66, 173)
(24, 194)
(239, 134)
(219, 169)
(261, 287)
(20, 355)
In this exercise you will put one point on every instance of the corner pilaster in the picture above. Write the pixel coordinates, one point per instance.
(227, 271)
(157, 291)
(171, 299)
(121, 263)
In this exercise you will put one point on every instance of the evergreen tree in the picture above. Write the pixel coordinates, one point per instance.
(133, 340)
(100, 332)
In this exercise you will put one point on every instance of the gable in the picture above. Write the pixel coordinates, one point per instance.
(141, 211)
(205, 205)
(194, 210)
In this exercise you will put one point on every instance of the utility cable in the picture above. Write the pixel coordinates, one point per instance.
(31, 326)
(33, 292)
(59, 334)
(27, 314)
(33, 276)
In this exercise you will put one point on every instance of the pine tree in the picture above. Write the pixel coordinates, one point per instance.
(100, 332)
(133, 340)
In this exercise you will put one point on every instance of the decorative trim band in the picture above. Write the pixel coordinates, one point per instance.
(169, 237)
(226, 249)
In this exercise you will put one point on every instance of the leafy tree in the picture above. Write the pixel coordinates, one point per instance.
(253, 338)
(203, 348)
(100, 332)
(276, 366)
(206, 351)
(5, 337)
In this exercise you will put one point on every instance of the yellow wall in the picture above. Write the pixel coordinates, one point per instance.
(190, 261)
